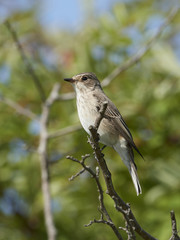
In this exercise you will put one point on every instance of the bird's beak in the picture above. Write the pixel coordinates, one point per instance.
(71, 80)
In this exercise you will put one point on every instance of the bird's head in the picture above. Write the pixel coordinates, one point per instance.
(84, 81)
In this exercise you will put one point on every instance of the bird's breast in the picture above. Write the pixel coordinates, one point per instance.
(87, 112)
(87, 107)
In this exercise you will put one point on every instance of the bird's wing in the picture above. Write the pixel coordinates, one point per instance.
(113, 113)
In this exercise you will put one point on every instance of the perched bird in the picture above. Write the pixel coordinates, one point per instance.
(113, 131)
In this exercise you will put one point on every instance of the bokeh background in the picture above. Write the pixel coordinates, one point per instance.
(61, 39)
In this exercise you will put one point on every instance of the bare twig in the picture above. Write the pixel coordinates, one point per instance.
(130, 229)
(101, 114)
(77, 174)
(131, 235)
(51, 230)
(103, 210)
(18, 108)
(66, 96)
(141, 52)
(100, 221)
(96, 221)
(26, 61)
(54, 95)
(174, 227)
(65, 131)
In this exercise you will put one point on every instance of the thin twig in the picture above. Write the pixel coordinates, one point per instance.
(174, 227)
(103, 210)
(95, 221)
(129, 227)
(100, 221)
(66, 96)
(18, 108)
(101, 114)
(26, 61)
(53, 95)
(43, 143)
(65, 131)
(76, 175)
(141, 52)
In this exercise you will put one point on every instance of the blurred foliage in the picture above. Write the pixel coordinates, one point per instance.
(148, 96)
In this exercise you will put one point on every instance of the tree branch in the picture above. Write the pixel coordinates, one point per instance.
(120, 205)
(65, 131)
(42, 150)
(77, 174)
(101, 114)
(103, 209)
(18, 108)
(26, 61)
(174, 227)
(66, 96)
(141, 52)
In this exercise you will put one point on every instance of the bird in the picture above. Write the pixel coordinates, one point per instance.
(112, 130)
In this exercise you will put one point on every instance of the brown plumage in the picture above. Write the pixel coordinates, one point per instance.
(113, 130)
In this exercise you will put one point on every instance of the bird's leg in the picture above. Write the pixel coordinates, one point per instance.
(103, 147)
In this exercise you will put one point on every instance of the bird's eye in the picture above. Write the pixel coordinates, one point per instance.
(84, 78)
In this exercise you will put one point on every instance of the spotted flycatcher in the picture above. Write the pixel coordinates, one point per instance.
(112, 130)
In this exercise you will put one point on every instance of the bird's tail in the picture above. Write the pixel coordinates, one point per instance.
(126, 154)
(135, 179)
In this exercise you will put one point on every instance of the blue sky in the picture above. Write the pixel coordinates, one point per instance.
(61, 14)
(56, 14)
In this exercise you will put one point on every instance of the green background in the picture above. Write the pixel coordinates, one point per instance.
(147, 95)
